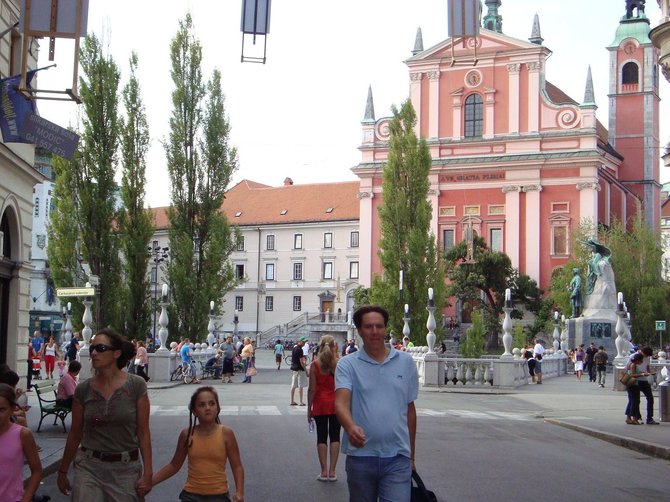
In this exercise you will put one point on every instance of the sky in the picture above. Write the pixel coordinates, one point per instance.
(299, 115)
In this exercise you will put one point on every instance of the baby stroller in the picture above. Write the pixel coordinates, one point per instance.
(37, 368)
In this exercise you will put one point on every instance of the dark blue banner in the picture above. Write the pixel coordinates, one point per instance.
(15, 108)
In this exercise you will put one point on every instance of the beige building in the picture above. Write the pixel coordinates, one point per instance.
(16, 207)
(298, 253)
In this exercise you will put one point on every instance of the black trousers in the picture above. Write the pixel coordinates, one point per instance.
(645, 388)
(29, 375)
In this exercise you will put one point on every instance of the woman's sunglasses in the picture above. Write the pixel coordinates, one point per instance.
(101, 347)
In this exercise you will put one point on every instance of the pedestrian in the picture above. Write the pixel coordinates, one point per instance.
(246, 355)
(209, 445)
(37, 341)
(600, 359)
(18, 444)
(645, 383)
(351, 347)
(49, 353)
(73, 347)
(579, 362)
(375, 390)
(67, 385)
(142, 361)
(19, 412)
(110, 421)
(227, 351)
(538, 348)
(187, 359)
(298, 371)
(538, 368)
(214, 364)
(31, 356)
(590, 365)
(279, 354)
(633, 415)
(321, 407)
(532, 362)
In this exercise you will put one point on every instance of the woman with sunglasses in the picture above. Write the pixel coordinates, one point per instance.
(110, 421)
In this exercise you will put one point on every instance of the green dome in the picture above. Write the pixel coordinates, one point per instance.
(636, 27)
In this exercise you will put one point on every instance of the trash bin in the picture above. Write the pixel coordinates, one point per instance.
(664, 401)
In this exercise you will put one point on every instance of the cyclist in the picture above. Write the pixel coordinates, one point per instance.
(279, 353)
(187, 359)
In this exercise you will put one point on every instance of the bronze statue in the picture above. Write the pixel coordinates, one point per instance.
(598, 253)
(575, 289)
(634, 4)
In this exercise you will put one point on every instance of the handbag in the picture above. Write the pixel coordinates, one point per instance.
(419, 492)
(251, 371)
(627, 379)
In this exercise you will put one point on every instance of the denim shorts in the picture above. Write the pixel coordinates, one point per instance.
(387, 479)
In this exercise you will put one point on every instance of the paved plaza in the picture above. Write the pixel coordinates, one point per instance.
(568, 435)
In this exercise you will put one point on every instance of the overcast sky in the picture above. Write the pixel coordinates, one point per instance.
(299, 114)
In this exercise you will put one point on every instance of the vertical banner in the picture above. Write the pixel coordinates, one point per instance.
(464, 18)
(15, 108)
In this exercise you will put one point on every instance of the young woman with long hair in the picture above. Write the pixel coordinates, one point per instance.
(321, 407)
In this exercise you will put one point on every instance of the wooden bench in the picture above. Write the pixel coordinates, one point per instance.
(211, 370)
(46, 394)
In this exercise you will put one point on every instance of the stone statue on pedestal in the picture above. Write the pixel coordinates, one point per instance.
(575, 289)
(634, 4)
(600, 285)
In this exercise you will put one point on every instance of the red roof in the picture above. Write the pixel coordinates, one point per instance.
(258, 204)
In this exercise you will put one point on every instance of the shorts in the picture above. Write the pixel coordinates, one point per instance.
(278, 358)
(298, 379)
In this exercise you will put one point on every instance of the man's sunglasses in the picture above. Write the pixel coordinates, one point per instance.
(101, 347)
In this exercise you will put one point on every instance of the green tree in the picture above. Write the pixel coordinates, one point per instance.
(88, 179)
(475, 340)
(135, 225)
(480, 284)
(406, 241)
(200, 164)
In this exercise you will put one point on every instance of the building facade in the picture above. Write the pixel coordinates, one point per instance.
(513, 157)
(298, 253)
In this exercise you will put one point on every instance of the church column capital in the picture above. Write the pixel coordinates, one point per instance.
(534, 66)
(434, 192)
(514, 68)
(365, 195)
(532, 188)
(586, 185)
(434, 75)
(511, 188)
(415, 76)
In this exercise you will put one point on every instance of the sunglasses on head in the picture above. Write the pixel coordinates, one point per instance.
(101, 347)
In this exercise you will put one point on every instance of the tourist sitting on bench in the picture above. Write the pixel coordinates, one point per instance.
(67, 384)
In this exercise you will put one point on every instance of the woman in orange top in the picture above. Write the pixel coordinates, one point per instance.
(321, 406)
(206, 463)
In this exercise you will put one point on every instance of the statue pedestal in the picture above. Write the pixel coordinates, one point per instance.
(599, 330)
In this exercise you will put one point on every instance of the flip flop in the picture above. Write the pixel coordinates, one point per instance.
(321, 478)
(303, 404)
(294, 404)
(332, 478)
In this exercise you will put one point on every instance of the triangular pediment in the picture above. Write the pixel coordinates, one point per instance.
(488, 42)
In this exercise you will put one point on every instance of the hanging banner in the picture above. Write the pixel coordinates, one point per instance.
(49, 136)
(15, 108)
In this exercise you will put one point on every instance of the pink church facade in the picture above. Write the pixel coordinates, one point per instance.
(513, 156)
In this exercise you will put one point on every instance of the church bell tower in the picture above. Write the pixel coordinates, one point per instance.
(634, 109)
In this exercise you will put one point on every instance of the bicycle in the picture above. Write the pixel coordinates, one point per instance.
(183, 372)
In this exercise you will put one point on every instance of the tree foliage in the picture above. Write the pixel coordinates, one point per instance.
(475, 340)
(135, 223)
(88, 180)
(200, 164)
(406, 241)
(480, 284)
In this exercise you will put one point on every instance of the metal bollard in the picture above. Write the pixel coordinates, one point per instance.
(664, 401)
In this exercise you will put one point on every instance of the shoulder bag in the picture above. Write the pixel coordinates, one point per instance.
(419, 491)
(627, 379)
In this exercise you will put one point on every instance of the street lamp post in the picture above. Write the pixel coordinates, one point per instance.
(236, 320)
(157, 255)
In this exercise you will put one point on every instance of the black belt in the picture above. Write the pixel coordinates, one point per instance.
(125, 456)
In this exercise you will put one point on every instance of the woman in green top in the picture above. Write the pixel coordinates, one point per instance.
(110, 420)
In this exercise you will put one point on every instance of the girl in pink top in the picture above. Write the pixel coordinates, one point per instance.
(17, 442)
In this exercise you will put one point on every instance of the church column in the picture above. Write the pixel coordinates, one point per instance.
(512, 234)
(365, 237)
(489, 104)
(434, 118)
(532, 236)
(457, 114)
(434, 199)
(533, 95)
(513, 124)
(588, 201)
(415, 96)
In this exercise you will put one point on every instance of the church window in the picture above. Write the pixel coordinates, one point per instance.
(496, 239)
(559, 240)
(474, 116)
(629, 73)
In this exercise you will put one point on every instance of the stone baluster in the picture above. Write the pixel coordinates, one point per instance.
(210, 327)
(450, 372)
(430, 323)
(406, 319)
(68, 322)
(620, 342)
(564, 337)
(507, 326)
(557, 333)
(163, 320)
(87, 318)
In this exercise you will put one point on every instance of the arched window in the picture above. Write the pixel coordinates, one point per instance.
(629, 73)
(474, 116)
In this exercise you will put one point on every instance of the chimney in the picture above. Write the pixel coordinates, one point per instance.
(288, 181)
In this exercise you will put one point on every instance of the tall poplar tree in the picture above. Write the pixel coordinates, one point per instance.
(88, 180)
(200, 165)
(135, 225)
(406, 240)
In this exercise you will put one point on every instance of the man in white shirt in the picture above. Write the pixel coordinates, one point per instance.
(539, 348)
